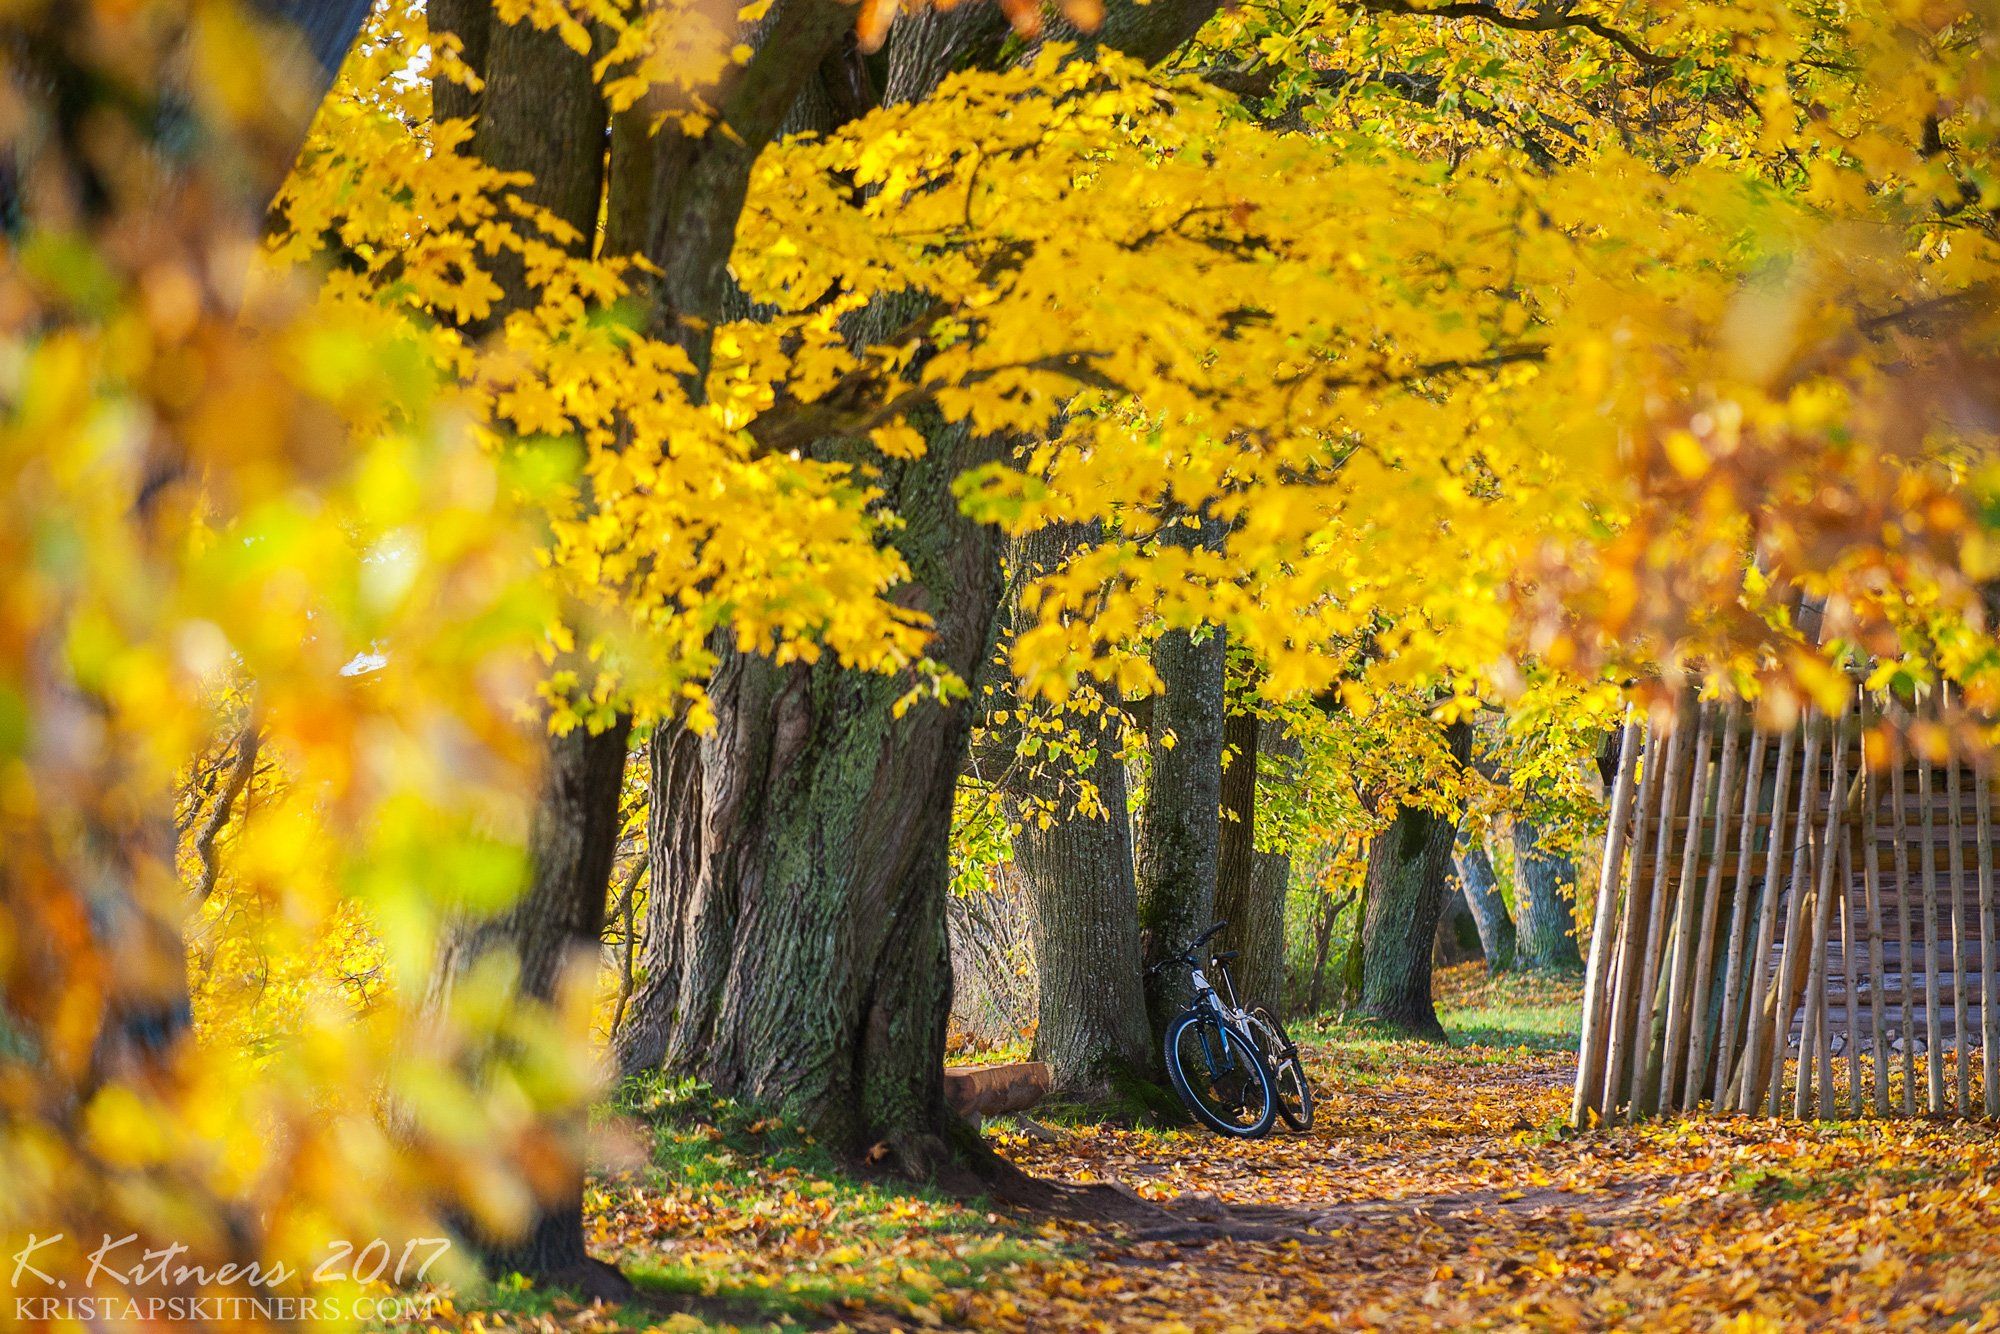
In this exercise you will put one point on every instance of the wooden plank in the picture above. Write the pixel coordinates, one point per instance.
(1733, 982)
(1934, 1038)
(1908, 941)
(1783, 1001)
(1745, 1087)
(1989, 985)
(1680, 962)
(1693, 770)
(1849, 937)
(1872, 904)
(1816, 1043)
(1736, 720)
(1655, 779)
(1962, 1055)
(1628, 1056)
(1590, 1053)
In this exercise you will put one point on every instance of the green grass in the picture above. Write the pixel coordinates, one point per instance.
(1504, 1013)
(1515, 1024)
(779, 1228)
(1771, 1186)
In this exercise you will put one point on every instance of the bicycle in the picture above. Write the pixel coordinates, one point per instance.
(1237, 1071)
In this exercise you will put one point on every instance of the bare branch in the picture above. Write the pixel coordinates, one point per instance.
(1549, 18)
(240, 771)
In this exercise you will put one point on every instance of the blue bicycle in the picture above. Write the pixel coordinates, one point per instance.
(1236, 1070)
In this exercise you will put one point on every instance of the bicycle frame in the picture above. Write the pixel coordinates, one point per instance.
(1227, 1013)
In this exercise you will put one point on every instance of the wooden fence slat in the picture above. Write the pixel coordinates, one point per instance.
(1933, 1020)
(1784, 999)
(1744, 1082)
(1733, 981)
(1850, 939)
(1692, 767)
(1989, 993)
(1663, 743)
(1680, 961)
(1735, 721)
(1871, 791)
(1816, 1043)
(1960, 1025)
(1904, 884)
(1590, 1054)
(1651, 931)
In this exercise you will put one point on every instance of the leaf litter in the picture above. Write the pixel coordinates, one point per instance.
(1439, 1190)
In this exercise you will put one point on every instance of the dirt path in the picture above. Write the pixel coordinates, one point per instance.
(1435, 1193)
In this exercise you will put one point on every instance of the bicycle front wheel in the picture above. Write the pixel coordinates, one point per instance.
(1220, 1076)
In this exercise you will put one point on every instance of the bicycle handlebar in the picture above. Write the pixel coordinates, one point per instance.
(1188, 958)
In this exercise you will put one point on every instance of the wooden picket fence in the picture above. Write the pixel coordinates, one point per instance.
(1781, 928)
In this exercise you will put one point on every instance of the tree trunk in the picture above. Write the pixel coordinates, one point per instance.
(1489, 910)
(1090, 1001)
(1543, 883)
(1457, 939)
(1177, 845)
(1250, 885)
(552, 930)
(1090, 1006)
(1408, 867)
(1329, 914)
(804, 866)
(540, 113)
(1236, 841)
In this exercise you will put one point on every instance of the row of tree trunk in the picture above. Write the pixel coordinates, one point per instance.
(796, 950)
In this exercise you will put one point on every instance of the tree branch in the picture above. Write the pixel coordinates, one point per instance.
(1544, 19)
(240, 771)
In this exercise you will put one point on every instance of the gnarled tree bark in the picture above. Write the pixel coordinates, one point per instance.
(804, 867)
(1547, 914)
(800, 956)
(1408, 864)
(1489, 911)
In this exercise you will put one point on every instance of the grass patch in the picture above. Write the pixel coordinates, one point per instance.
(1771, 1186)
(1487, 1018)
(749, 1209)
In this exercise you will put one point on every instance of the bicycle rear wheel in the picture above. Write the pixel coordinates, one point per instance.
(1288, 1072)
(1220, 1076)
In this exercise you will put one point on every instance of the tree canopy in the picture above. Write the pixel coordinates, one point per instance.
(1434, 356)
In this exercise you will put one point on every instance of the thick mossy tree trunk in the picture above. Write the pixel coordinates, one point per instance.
(805, 865)
(1408, 876)
(1489, 911)
(1250, 885)
(802, 847)
(1543, 884)
(1180, 828)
